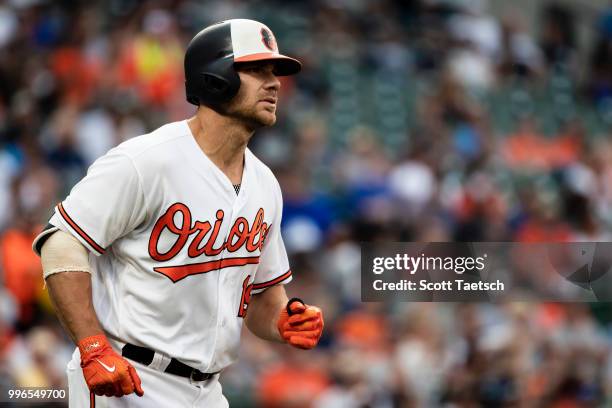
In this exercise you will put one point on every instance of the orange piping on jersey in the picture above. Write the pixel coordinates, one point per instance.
(273, 281)
(78, 229)
(176, 273)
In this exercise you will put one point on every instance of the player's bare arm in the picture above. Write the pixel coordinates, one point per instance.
(264, 310)
(68, 278)
(70, 293)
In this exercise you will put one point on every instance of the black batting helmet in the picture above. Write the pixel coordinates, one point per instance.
(210, 77)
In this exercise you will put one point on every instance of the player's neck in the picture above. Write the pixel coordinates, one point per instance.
(223, 142)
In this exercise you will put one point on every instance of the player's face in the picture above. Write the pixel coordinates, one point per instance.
(257, 97)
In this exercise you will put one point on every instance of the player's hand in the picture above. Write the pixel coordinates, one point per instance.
(105, 371)
(300, 325)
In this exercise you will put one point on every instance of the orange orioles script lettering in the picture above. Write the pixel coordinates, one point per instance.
(203, 238)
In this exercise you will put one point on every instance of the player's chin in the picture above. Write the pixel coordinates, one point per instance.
(266, 117)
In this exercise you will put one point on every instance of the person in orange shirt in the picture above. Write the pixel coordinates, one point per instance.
(21, 267)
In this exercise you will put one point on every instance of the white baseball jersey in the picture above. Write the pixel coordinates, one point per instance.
(177, 252)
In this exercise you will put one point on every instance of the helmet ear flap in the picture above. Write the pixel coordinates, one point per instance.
(211, 89)
(191, 97)
(215, 84)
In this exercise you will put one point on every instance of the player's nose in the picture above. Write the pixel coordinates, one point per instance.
(272, 83)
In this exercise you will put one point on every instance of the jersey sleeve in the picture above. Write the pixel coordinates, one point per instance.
(273, 266)
(105, 205)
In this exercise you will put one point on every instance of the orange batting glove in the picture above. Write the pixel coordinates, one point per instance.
(105, 371)
(300, 325)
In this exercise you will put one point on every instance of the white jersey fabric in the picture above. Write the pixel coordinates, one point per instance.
(175, 252)
(161, 390)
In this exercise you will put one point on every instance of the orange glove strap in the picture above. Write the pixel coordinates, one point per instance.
(93, 346)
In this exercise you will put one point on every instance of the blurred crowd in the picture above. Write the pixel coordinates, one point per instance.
(422, 120)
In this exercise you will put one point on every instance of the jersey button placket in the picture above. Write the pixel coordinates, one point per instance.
(221, 280)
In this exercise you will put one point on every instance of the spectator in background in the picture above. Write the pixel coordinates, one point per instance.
(33, 192)
(151, 61)
(22, 272)
(600, 77)
(558, 38)
(477, 37)
(520, 55)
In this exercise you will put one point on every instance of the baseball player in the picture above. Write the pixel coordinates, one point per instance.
(172, 240)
